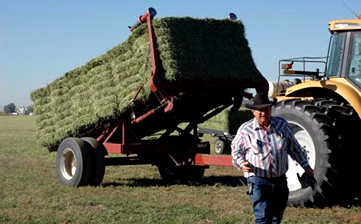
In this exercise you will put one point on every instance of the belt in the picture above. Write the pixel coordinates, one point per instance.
(273, 179)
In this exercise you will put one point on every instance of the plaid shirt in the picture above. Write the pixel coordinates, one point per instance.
(267, 150)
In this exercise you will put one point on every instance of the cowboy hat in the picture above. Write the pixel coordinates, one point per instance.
(259, 102)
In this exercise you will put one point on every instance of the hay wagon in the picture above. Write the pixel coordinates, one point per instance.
(160, 129)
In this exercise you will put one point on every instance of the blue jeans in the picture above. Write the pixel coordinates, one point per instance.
(269, 197)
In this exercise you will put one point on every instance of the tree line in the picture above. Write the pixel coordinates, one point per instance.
(11, 108)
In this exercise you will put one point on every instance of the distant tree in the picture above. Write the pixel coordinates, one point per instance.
(30, 109)
(10, 108)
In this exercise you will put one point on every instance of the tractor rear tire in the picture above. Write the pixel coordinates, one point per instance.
(345, 121)
(315, 133)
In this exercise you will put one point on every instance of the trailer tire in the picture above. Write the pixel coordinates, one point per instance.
(97, 153)
(171, 174)
(73, 162)
(191, 173)
(221, 147)
(168, 173)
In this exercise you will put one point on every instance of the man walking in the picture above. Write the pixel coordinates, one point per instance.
(261, 148)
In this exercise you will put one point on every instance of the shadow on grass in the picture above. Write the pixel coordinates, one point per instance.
(231, 181)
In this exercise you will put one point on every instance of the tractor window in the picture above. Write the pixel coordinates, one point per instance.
(354, 66)
(335, 58)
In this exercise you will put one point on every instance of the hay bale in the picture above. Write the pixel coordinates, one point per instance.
(192, 51)
(228, 120)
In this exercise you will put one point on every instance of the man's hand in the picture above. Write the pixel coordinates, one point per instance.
(247, 167)
(307, 179)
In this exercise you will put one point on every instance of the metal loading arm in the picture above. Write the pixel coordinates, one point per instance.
(156, 79)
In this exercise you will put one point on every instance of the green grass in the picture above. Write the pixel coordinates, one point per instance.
(30, 192)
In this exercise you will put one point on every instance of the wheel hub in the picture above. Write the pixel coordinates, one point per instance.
(68, 164)
(306, 143)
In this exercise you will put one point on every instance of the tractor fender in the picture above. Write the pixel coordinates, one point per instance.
(339, 86)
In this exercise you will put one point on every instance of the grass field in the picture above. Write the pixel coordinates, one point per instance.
(30, 192)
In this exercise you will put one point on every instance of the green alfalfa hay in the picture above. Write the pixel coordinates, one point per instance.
(191, 50)
(211, 49)
(228, 120)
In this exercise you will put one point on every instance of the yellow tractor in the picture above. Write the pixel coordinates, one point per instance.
(321, 100)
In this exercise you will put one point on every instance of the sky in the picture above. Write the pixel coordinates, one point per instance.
(41, 40)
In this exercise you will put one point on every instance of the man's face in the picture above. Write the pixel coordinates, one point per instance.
(263, 116)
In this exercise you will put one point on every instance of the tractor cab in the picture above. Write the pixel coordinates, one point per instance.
(345, 50)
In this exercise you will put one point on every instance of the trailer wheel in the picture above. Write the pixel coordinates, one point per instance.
(73, 162)
(221, 147)
(168, 173)
(191, 173)
(182, 173)
(97, 160)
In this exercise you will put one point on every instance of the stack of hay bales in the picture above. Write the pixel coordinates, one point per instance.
(228, 120)
(192, 51)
